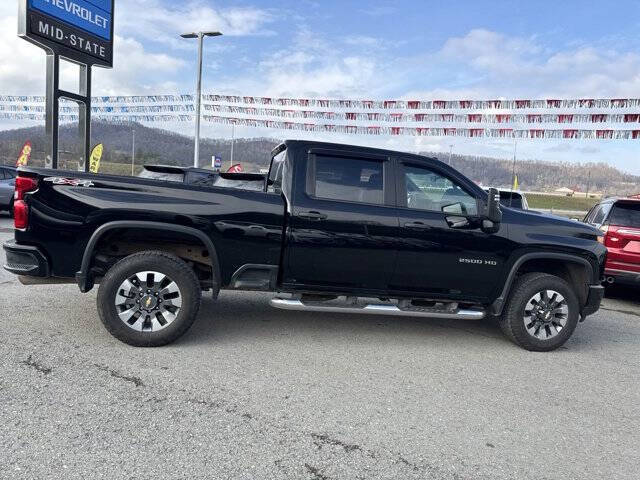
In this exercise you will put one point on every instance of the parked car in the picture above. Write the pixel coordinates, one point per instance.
(334, 228)
(513, 199)
(7, 182)
(619, 219)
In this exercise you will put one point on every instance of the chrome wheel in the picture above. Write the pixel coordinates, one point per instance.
(148, 301)
(546, 314)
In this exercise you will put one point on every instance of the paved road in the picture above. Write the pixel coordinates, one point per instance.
(254, 393)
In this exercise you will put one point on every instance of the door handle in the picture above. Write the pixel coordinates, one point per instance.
(312, 215)
(417, 226)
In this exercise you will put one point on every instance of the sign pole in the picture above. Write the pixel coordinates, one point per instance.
(84, 117)
(82, 35)
(52, 111)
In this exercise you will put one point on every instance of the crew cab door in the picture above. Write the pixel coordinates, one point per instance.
(343, 222)
(442, 252)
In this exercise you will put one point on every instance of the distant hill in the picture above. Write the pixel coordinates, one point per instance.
(154, 145)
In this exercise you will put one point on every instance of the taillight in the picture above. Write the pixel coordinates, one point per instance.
(20, 214)
(20, 208)
(24, 185)
(604, 229)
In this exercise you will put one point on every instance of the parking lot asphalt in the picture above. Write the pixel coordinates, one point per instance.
(256, 393)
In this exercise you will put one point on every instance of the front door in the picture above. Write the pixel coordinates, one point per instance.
(343, 223)
(442, 252)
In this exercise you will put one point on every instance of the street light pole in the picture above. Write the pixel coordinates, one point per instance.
(133, 150)
(233, 140)
(200, 36)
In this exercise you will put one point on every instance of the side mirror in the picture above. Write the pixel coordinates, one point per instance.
(493, 213)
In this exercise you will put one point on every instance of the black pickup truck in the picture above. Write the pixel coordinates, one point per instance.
(331, 228)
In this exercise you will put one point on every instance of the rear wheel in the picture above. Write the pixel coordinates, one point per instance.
(10, 209)
(149, 299)
(542, 312)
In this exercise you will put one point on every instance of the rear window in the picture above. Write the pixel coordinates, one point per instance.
(625, 214)
(511, 199)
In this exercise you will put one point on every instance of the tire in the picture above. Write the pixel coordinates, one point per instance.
(136, 317)
(10, 208)
(531, 313)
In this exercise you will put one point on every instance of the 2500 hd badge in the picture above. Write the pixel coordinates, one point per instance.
(478, 261)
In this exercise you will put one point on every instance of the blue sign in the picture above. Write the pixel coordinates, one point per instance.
(93, 16)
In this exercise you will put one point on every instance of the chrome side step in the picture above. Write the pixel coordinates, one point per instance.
(376, 309)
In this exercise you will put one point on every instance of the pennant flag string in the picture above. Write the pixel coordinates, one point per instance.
(584, 103)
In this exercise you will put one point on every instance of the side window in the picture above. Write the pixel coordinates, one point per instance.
(349, 179)
(601, 216)
(2, 175)
(428, 190)
(591, 214)
(597, 215)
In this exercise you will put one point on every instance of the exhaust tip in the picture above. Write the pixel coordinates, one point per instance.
(610, 280)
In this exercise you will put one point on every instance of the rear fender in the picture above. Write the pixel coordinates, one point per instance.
(84, 278)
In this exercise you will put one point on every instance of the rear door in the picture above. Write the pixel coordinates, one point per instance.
(623, 236)
(343, 223)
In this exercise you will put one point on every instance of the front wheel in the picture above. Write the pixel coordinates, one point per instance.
(149, 299)
(542, 312)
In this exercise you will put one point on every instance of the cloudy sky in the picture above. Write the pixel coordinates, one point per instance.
(373, 49)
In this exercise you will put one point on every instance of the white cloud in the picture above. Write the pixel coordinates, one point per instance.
(312, 67)
(494, 64)
(137, 71)
(155, 21)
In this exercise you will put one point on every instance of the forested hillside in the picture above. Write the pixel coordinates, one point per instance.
(154, 145)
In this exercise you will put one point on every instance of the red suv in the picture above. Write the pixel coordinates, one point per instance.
(619, 219)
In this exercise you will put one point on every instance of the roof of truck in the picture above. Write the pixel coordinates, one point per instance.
(315, 144)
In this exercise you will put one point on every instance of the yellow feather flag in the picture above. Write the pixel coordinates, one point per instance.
(515, 182)
(94, 158)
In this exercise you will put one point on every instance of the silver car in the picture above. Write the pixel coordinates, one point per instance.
(7, 185)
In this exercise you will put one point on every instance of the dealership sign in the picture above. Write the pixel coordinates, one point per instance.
(80, 30)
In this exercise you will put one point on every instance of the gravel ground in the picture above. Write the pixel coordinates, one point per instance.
(256, 393)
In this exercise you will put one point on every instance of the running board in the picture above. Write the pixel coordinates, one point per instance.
(377, 309)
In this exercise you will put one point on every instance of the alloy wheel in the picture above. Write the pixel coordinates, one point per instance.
(546, 314)
(148, 301)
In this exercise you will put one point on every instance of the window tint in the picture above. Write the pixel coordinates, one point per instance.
(599, 214)
(511, 199)
(625, 215)
(591, 214)
(427, 190)
(349, 179)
